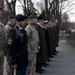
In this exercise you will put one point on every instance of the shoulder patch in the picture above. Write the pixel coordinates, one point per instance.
(9, 41)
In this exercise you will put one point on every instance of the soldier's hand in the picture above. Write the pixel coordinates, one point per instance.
(14, 66)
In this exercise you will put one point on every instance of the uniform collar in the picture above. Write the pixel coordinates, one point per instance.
(19, 27)
(40, 25)
(44, 27)
(10, 24)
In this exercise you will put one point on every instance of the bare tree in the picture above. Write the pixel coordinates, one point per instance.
(11, 6)
(28, 7)
(46, 9)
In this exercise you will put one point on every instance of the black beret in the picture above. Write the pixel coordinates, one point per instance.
(20, 17)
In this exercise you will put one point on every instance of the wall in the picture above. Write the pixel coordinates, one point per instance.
(71, 39)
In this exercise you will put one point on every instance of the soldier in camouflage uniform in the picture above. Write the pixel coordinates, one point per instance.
(33, 45)
(10, 24)
(2, 43)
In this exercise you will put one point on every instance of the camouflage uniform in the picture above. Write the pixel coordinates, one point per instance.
(8, 27)
(33, 48)
(2, 46)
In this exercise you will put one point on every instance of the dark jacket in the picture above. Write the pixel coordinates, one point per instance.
(42, 56)
(48, 40)
(18, 47)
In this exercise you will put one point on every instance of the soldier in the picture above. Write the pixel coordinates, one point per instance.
(33, 39)
(57, 27)
(48, 38)
(18, 47)
(25, 21)
(10, 24)
(42, 55)
(2, 42)
(55, 35)
(53, 39)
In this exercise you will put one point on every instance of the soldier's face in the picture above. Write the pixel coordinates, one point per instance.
(42, 21)
(50, 21)
(13, 21)
(1, 13)
(53, 23)
(32, 20)
(46, 25)
(29, 21)
(22, 24)
(35, 20)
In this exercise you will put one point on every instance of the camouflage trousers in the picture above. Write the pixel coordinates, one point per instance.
(8, 70)
(1, 64)
(31, 69)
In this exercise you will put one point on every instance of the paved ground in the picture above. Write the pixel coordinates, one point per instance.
(64, 62)
(62, 37)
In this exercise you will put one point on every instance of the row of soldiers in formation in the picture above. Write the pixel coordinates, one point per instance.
(28, 43)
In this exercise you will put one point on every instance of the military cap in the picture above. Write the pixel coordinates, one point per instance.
(39, 17)
(11, 17)
(46, 22)
(32, 16)
(20, 17)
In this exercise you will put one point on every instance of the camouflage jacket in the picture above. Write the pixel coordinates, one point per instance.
(8, 27)
(2, 38)
(33, 39)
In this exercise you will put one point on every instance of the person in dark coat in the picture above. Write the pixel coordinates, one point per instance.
(48, 38)
(18, 47)
(42, 55)
(52, 38)
(55, 35)
(57, 28)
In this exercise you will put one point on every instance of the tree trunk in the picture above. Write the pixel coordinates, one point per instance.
(46, 9)
(14, 11)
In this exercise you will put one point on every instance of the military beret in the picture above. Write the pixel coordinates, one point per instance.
(11, 17)
(20, 17)
(32, 16)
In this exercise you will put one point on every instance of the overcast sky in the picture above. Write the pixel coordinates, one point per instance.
(71, 8)
(71, 13)
(36, 0)
(20, 8)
